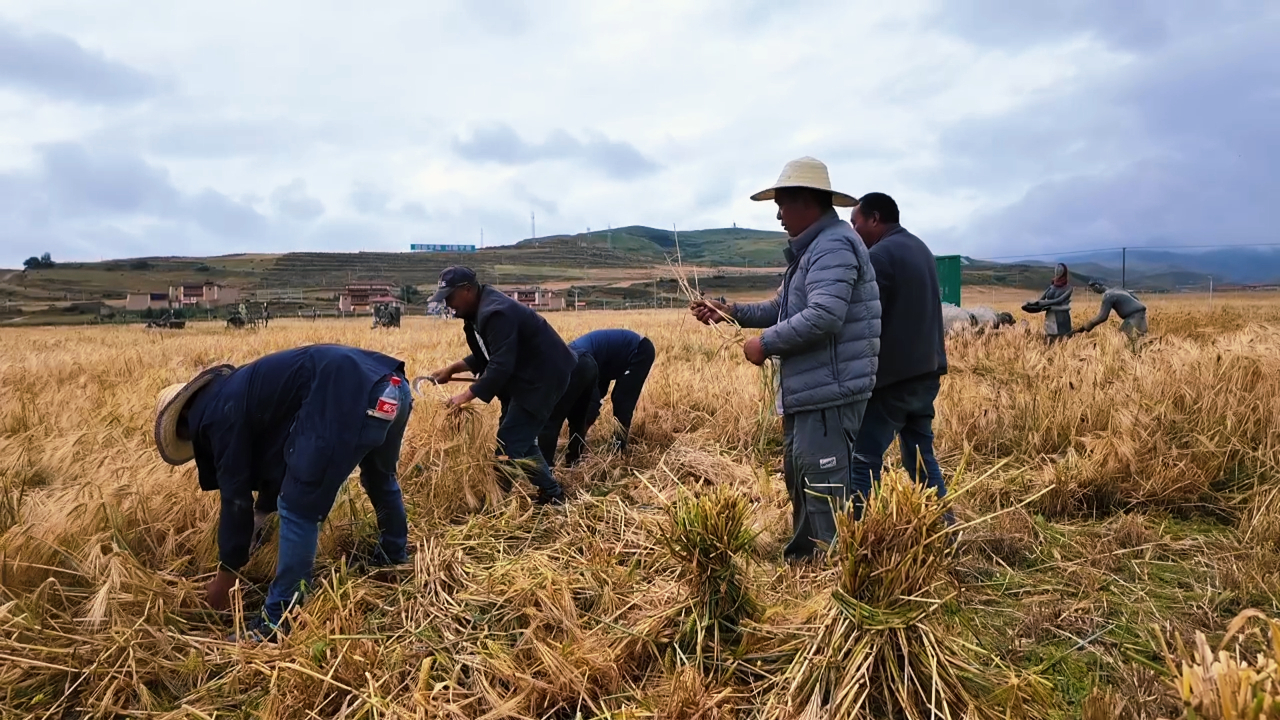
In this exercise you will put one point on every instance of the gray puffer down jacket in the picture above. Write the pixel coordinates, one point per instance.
(824, 324)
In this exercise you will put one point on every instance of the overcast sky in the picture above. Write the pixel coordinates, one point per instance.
(144, 127)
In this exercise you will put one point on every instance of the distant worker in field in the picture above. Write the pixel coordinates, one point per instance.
(913, 355)
(1132, 313)
(290, 426)
(519, 359)
(974, 319)
(824, 326)
(1055, 303)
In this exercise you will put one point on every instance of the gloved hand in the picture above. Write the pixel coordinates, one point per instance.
(1030, 307)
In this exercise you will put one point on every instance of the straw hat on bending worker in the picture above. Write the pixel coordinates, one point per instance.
(173, 400)
(808, 173)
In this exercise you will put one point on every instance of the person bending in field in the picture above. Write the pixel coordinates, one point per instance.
(625, 358)
(1132, 313)
(824, 324)
(580, 405)
(520, 359)
(975, 319)
(290, 426)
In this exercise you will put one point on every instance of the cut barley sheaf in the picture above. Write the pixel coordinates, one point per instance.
(1111, 503)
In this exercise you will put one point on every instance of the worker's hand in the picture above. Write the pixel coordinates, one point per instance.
(218, 592)
(754, 350)
(259, 525)
(442, 376)
(460, 399)
(709, 311)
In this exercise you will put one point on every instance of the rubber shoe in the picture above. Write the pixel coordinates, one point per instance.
(543, 498)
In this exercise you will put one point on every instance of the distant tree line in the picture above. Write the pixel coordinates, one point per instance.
(43, 262)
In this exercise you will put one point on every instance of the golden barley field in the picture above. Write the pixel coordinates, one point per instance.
(1114, 502)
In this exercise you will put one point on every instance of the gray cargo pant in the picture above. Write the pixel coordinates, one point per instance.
(817, 454)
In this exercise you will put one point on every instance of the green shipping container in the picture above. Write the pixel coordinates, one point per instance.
(949, 278)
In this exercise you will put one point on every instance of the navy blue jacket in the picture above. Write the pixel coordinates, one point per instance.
(515, 351)
(287, 414)
(612, 351)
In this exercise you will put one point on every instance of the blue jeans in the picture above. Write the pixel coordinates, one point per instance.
(904, 409)
(376, 453)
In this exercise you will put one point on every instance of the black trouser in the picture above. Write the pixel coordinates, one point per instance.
(579, 405)
(626, 390)
(518, 430)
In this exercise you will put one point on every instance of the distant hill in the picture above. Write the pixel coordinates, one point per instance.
(721, 246)
(626, 265)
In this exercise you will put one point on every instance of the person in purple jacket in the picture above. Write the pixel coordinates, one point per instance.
(291, 427)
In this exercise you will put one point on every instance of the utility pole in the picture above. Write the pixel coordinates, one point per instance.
(533, 227)
(1210, 293)
(609, 241)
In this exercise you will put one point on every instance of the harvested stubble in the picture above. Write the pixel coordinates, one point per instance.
(513, 611)
(1228, 685)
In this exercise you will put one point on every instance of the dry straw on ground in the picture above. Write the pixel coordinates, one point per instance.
(1137, 490)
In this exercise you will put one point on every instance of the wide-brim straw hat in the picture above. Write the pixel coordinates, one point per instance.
(810, 173)
(172, 400)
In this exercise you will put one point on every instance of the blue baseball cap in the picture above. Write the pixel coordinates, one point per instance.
(451, 279)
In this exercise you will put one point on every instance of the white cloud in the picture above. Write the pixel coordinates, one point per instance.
(304, 125)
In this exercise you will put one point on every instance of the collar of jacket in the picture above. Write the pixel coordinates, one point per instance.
(893, 229)
(798, 244)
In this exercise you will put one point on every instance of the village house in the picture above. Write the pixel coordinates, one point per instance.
(361, 297)
(139, 301)
(536, 297)
(203, 294)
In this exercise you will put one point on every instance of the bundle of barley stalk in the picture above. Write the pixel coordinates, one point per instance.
(881, 649)
(708, 536)
(1226, 686)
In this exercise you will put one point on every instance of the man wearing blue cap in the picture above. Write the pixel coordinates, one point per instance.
(519, 359)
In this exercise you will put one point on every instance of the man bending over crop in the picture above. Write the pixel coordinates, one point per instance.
(519, 358)
(825, 326)
(1132, 313)
(290, 426)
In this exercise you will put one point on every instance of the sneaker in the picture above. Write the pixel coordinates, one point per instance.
(258, 632)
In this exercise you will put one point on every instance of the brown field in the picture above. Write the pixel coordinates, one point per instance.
(1111, 501)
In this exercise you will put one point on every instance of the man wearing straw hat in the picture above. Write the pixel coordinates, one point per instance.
(290, 426)
(519, 359)
(824, 326)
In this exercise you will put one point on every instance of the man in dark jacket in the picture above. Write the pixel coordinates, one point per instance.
(580, 405)
(519, 358)
(291, 427)
(619, 356)
(913, 356)
(825, 326)
(624, 358)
